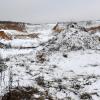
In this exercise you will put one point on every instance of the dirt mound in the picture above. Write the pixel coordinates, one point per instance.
(74, 38)
(13, 26)
(57, 29)
(3, 35)
(93, 29)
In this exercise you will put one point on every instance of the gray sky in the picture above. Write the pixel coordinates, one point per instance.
(41, 11)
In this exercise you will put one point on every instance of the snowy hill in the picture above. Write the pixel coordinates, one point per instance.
(51, 62)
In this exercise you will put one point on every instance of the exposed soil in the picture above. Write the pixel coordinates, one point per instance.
(3, 35)
(19, 26)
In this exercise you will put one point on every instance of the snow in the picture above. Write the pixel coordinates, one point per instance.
(97, 34)
(44, 36)
(61, 95)
(24, 43)
(64, 77)
(14, 32)
(11, 52)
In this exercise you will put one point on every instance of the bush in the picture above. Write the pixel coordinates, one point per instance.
(40, 81)
(26, 93)
(85, 96)
(40, 57)
(3, 66)
(20, 93)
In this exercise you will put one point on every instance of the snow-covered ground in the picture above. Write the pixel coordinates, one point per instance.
(67, 63)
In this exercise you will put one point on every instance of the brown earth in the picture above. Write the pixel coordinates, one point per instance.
(19, 26)
(57, 29)
(3, 35)
(93, 29)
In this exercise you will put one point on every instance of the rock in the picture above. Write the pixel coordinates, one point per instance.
(2, 45)
(65, 55)
(5, 45)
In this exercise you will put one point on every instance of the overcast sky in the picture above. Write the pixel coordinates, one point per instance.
(41, 11)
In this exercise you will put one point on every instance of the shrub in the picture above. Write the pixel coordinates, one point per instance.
(40, 57)
(20, 93)
(85, 96)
